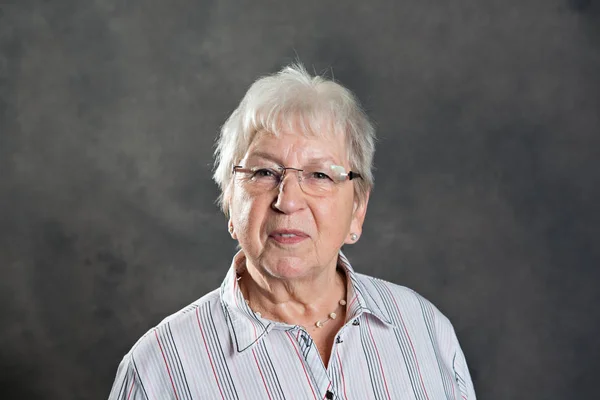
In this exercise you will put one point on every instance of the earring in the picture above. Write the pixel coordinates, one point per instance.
(230, 229)
(353, 237)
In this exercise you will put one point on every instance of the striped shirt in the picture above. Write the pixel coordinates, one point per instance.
(394, 345)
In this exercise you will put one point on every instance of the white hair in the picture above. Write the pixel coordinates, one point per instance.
(294, 100)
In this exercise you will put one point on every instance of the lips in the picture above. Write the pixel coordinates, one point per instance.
(288, 236)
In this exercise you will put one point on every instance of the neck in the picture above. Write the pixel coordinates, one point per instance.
(301, 302)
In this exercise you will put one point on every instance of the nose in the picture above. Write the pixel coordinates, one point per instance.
(290, 197)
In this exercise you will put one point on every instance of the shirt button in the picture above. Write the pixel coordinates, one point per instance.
(329, 395)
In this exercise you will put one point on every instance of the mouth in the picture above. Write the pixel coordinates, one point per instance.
(287, 236)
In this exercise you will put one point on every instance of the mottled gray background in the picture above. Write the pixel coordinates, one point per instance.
(488, 172)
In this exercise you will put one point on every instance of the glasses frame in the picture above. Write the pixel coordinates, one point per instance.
(347, 176)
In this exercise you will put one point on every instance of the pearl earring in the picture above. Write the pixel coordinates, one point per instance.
(353, 237)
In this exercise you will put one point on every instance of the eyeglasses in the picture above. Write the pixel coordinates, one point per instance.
(314, 181)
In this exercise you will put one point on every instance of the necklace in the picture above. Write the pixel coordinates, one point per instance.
(319, 324)
(332, 315)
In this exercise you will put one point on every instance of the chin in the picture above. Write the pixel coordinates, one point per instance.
(286, 267)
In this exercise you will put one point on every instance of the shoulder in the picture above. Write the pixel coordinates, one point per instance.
(402, 302)
(416, 320)
(143, 367)
(176, 324)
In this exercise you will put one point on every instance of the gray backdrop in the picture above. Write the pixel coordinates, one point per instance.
(487, 183)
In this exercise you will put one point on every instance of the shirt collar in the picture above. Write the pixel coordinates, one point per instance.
(247, 328)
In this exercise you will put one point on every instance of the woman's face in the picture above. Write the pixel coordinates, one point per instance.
(284, 232)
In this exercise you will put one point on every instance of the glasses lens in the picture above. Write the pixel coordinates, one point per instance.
(317, 181)
(260, 177)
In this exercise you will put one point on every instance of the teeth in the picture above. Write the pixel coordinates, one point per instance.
(288, 235)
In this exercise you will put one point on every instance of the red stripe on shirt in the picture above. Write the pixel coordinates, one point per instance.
(409, 340)
(131, 389)
(302, 363)
(261, 374)
(342, 373)
(166, 364)
(209, 356)
(378, 357)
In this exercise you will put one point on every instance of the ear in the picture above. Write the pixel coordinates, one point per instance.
(231, 228)
(358, 217)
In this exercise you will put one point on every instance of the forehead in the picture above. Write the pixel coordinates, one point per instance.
(288, 146)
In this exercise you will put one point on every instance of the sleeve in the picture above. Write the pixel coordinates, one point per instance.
(127, 384)
(453, 355)
(461, 373)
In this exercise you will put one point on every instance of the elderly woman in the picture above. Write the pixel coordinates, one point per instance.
(292, 320)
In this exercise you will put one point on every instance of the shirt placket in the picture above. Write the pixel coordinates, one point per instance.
(314, 364)
(323, 379)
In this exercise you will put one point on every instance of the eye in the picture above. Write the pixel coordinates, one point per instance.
(264, 173)
(320, 175)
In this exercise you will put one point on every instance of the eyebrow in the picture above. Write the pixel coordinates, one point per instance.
(275, 159)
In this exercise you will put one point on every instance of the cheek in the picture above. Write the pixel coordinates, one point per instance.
(247, 213)
(333, 218)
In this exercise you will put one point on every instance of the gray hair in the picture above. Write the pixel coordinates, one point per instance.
(293, 99)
